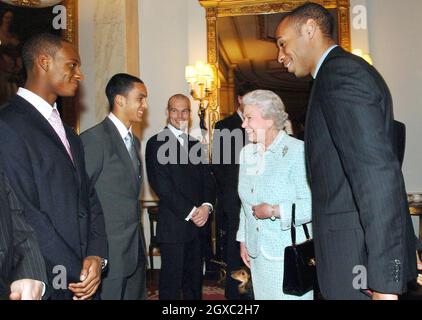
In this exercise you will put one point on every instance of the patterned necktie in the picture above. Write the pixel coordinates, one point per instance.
(130, 146)
(57, 125)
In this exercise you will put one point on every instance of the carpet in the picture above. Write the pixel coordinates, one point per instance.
(209, 292)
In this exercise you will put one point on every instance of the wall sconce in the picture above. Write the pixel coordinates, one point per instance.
(364, 56)
(201, 81)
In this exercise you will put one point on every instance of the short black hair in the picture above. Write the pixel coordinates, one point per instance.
(245, 88)
(43, 43)
(311, 10)
(120, 84)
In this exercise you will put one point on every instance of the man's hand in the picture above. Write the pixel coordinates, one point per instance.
(382, 296)
(90, 279)
(200, 216)
(244, 255)
(26, 289)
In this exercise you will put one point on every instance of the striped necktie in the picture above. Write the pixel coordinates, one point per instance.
(130, 146)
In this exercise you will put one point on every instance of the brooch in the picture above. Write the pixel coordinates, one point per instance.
(285, 149)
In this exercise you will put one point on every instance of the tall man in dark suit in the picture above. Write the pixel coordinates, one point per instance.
(22, 267)
(114, 168)
(178, 175)
(229, 139)
(44, 161)
(361, 221)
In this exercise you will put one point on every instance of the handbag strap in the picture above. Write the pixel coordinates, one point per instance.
(293, 228)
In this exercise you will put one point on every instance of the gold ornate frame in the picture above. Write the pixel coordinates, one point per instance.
(71, 106)
(224, 8)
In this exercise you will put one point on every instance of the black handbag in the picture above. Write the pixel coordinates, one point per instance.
(299, 263)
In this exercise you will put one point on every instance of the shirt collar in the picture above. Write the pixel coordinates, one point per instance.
(123, 131)
(321, 61)
(240, 113)
(39, 103)
(175, 131)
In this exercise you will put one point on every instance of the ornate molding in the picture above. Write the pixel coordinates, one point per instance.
(32, 3)
(71, 107)
(226, 8)
(71, 34)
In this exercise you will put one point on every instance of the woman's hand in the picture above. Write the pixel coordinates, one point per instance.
(265, 211)
(244, 254)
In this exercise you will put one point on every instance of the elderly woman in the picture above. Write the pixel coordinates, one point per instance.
(272, 177)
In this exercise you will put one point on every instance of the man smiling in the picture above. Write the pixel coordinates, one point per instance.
(44, 161)
(360, 213)
(114, 168)
(183, 187)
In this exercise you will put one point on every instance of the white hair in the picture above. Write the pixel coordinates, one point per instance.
(270, 105)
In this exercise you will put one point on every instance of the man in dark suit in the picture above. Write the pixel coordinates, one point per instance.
(44, 161)
(178, 175)
(22, 268)
(361, 222)
(114, 168)
(229, 139)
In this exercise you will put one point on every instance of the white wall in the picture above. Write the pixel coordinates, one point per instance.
(396, 46)
(172, 35)
(86, 11)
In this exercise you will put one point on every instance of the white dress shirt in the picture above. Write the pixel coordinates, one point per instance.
(177, 133)
(240, 113)
(123, 131)
(321, 61)
(39, 103)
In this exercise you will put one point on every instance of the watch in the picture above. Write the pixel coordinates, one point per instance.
(273, 217)
(103, 263)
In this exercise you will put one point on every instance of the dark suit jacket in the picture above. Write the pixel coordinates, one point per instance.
(180, 185)
(360, 213)
(20, 256)
(229, 139)
(111, 171)
(58, 202)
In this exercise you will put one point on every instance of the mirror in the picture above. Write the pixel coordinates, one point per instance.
(241, 46)
(21, 20)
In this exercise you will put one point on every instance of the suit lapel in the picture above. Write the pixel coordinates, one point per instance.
(120, 147)
(138, 152)
(39, 125)
(29, 111)
(75, 152)
(333, 53)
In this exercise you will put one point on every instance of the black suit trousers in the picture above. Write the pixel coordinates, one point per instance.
(181, 271)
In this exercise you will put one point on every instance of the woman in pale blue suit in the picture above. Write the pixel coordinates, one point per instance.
(272, 177)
